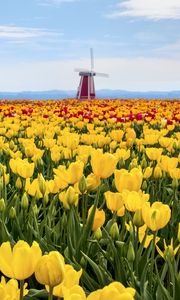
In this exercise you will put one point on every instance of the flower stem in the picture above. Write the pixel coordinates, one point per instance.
(50, 297)
(152, 260)
(21, 289)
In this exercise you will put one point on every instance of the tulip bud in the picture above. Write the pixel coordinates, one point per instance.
(169, 254)
(157, 172)
(144, 185)
(143, 163)
(39, 163)
(18, 183)
(12, 213)
(83, 262)
(64, 220)
(82, 185)
(42, 184)
(45, 199)
(176, 145)
(11, 145)
(133, 164)
(178, 234)
(35, 209)
(175, 183)
(133, 155)
(24, 201)
(121, 162)
(113, 184)
(137, 218)
(1, 171)
(98, 234)
(104, 188)
(130, 253)
(1, 183)
(2, 205)
(71, 195)
(114, 231)
(147, 172)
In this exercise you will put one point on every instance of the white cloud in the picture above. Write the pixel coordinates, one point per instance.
(15, 32)
(130, 74)
(151, 9)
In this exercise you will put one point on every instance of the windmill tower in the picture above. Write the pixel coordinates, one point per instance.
(86, 89)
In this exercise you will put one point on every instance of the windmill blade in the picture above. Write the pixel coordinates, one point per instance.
(81, 70)
(102, 74)
(92, 58)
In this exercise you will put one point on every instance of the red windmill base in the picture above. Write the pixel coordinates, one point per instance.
(86, 88)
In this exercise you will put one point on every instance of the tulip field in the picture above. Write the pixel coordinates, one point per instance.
(90, 200)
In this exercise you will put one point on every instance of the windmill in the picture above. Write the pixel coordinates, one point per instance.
(86, 89)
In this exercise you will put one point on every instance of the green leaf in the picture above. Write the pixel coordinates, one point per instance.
(146, 293)
(96, 269)
(177, 289)
(36, 294)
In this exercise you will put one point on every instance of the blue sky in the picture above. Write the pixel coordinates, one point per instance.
(136, 41)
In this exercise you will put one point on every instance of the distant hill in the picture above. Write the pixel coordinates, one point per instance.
(106, 93)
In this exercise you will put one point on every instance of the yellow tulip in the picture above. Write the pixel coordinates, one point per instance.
(175, 173)
(149, 237)
(99, 218)
(157, 172)
(83, 152)
(32, 188)
(154, 153)
(114, 201)
(50, 269)
(122, 154)
(75, 172)
(71, 278)
(55, 156)
(121, 211)
(60, 177)
(168, 163)
(169, 251)
(114, 290)
(165, 142)
(13, 164)
(19, 262)
(130, 134)
(148, 172)
(67, 153)
(9, 290)
(125, 180)
(52, 186)
(93, 182)
(151, 139)
(156, 216)
(38, 153)
(134, 200)
(74, 293)
(25, 169)
(116, 135)
(103, 165)
(29, 150)
(49, 143)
